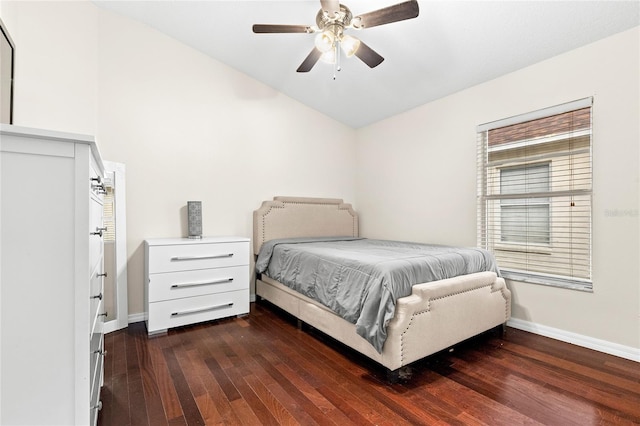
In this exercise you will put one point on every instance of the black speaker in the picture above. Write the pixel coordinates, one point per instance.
(194, 218)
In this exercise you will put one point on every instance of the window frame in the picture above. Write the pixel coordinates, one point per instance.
(490, 238)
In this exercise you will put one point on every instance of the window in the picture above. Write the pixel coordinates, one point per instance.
(534, 195)
(524, 220)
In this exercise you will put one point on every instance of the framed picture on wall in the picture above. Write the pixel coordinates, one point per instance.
(7, 56)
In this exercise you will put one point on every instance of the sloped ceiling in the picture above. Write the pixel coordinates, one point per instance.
(450, 46)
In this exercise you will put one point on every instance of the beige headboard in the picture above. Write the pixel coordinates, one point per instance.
(289, 217)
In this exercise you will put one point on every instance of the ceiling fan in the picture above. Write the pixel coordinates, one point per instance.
(332, 20)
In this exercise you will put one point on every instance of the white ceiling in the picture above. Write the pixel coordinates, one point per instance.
(450, 46)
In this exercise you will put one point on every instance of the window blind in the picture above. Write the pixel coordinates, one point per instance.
(534, 195)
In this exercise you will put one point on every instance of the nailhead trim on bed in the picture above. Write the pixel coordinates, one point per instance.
(402, 342)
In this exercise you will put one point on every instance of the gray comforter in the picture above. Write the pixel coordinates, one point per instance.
(361, 279)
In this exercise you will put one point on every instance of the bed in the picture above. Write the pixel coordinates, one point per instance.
(434, 316)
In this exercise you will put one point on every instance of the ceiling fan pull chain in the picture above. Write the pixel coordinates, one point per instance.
(336, 63)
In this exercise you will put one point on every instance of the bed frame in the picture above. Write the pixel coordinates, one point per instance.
(434, 317)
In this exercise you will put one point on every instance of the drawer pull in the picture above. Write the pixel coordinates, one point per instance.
(183, 285)
(197, 311)
(97, 406)
(98, 231)
(214, 256)
(97, 297)
(98, 186)
(102, 275)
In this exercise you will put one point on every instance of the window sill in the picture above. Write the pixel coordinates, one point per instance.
(548, 280)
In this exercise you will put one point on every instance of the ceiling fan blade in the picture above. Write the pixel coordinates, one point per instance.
(330, 6)
(368, 55)
(275, 28)
(310, 61)
(398, 12)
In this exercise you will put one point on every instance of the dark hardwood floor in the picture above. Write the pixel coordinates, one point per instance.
(261, 369)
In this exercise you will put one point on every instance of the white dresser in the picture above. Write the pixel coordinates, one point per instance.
(194, 280)
(51, 278)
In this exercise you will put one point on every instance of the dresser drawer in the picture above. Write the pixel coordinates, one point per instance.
(96, 383)
(174, 285)
(95, 320)
(96, 352)
(96, 301)
(174, 313)
(95, 227)
(96, 286)
(96, 294)
(197, 256)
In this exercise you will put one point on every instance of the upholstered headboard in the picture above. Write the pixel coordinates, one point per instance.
(289, 217)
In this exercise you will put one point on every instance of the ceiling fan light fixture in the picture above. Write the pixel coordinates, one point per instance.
(349, 45)
(325, 40)
(329, 56)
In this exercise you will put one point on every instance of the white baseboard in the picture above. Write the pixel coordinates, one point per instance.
(137, 317)
(599, 345)
(109, 327)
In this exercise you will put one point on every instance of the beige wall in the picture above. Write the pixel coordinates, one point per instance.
(56, 63)
(186, 126)
(417, 178)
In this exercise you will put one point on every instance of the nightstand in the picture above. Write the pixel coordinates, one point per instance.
(194, 280)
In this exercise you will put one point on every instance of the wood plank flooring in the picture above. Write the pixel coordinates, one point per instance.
(263, 370)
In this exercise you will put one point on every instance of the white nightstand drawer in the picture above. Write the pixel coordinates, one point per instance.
(173, 313)
(197, 256)
(174, 285)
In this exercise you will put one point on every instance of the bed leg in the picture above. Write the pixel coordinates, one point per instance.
(393, 376)
(500, 330)
(402, 373)
(300, 324)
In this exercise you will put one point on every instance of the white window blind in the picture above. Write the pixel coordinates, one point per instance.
(525, 220)
(534, 195)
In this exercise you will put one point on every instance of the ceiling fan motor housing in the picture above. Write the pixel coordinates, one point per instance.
(342, 19)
